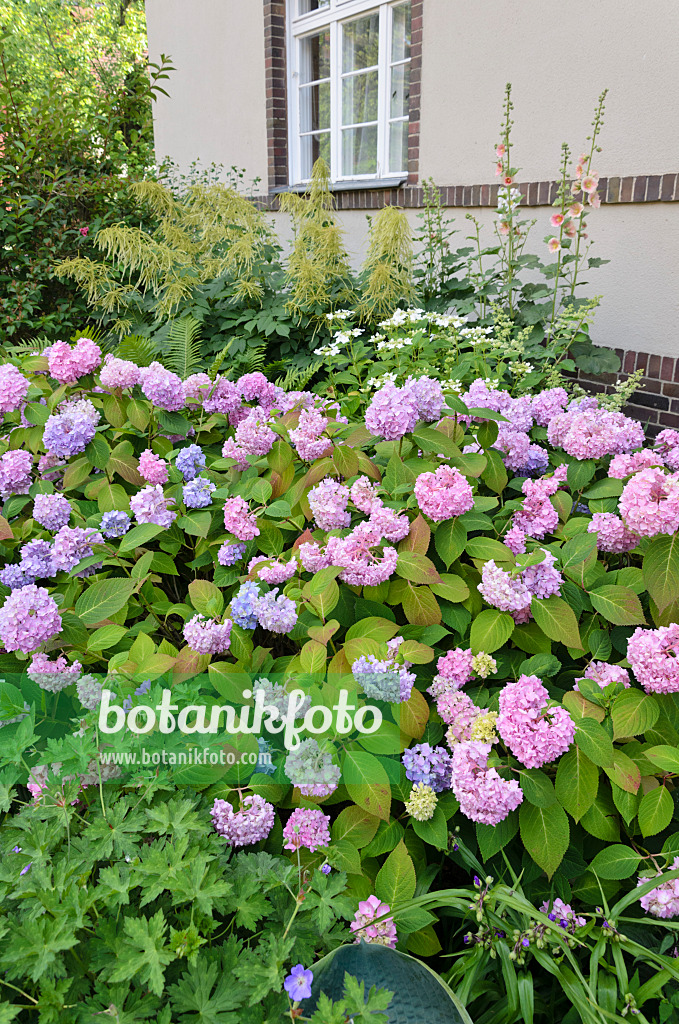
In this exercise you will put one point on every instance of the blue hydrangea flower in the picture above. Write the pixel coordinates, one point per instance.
(243, 606)
(115, 524)
(229, 554)
(197, 493)
(430, 765)
(190, 461)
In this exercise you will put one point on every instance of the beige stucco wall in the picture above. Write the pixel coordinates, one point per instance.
(558, 58)
(217, 105)
(639, 288)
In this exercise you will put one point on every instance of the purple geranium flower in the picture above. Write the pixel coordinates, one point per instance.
(298, 983)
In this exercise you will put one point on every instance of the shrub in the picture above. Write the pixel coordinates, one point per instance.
(492, 575)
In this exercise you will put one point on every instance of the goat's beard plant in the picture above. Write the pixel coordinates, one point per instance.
(493, 572)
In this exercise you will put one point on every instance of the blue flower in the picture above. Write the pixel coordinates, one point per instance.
(298, 983)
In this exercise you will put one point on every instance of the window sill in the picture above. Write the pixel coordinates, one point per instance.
(349, 185)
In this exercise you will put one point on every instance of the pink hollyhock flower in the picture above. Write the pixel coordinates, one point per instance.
(594, 200)
(575, 209)
(500, 150)
(508, 179)
(589, 183)
(554, 245)
(504, 227)
(556, 220)
(498, 169)
(570, 229)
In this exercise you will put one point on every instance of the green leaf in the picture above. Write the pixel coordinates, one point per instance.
(487, 548)
(106, 636)
(490, 630)
(373, 628)
(577, 782)
(557, 620)
(145, 956)
(416, 568)
(607, 488)
(633, 713)
(433, 831)
(580, 473)
(616, 862)
(396, 881)
(601, 820)
(138, 536)
(206, 598)
(103, 599)
(367, 783)
(345, 460)
(661, 570)
(619, 605)
(354, 825)
(450, 540)
(655, 811)
(537, 787)
(493, 838)
(545, 834)
(665, 757)
(98, 452)
(594, 741)
(451, 588)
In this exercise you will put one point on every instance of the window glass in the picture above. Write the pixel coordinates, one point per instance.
(306, 6)
(359, 151)
(400, 38)
(360, 43)
(315, 57)
(400, 90)
(398, 146)
(359, 98)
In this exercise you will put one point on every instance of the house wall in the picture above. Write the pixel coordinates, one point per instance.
(558, 58)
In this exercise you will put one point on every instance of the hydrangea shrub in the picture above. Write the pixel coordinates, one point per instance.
(498, 575)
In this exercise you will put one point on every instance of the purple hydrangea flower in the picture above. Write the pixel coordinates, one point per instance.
(52, 511)
(278, 614)
(197, 493)
(70, 430)
(36, 559)
(190, 461)
(229, 554)
(430, 765)
(14, 577)
(72, 544)
(28, 618)
(150, 506)
(115, 523)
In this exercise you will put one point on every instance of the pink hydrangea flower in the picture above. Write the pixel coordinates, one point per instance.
(392, 413)
(207, 636)
(624, 465)
(15, 472)
(364, 495)
(150, 505)
(548, 404)
(68, 364)
(162, 387)
(428, 395)
(663, 901)
(328, 502)
(454, 670)
(649, 503)
(28, 618)
(238, 519)
(602, 673)
(542, 579)
(53, 676)
(654, 657)
(197, 386)
(458, 711)
(230, 450)
(308, 828)
(366, 925)
(153, 469)
(591, 434)
(308, 437)
(443, 494)
(535, 733)
(389, 524)
(484, 796)
(254, 436)
(13, 388)
(223, 397)
(508, 593)
(612, 535)
(251, 823)
(667, 446)
(119, 373)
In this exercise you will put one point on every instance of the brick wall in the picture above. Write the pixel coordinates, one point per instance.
(657, 401)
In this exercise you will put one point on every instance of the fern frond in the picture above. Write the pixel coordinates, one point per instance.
(137, 349)
(296, 379)
(183, 347)
(34, 346)
(255, 359)
(213, 370)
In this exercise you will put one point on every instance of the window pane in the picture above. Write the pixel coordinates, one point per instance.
(315, 57)
(305, 6)
(359, 98)
(359, 151)
(314, 107)
(400, 90)
(400, 39)
(312, 147)
(360, 43)
(398, 146)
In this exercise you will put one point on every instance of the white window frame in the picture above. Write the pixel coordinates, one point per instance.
(333, 16)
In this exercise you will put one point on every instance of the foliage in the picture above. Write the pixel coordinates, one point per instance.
(590, 820)
(75, 116)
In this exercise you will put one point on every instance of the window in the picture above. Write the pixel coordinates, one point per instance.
(349, 88)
